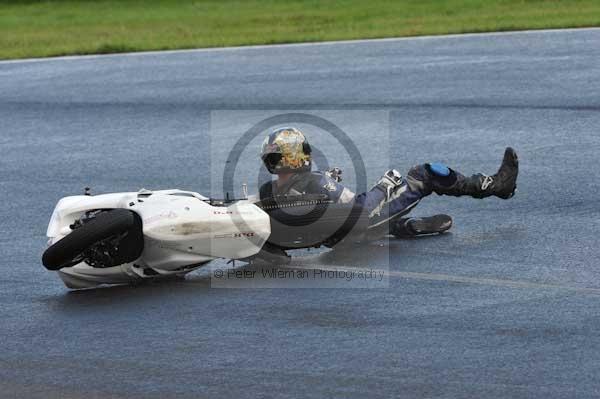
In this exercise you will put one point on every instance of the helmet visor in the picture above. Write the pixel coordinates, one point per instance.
(271, 161)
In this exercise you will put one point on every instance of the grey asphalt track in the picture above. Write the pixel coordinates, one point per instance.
(507, 305)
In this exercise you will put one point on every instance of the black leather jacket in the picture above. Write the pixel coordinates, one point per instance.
(308, 183)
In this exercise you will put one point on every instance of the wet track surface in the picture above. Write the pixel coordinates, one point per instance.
(504, 306)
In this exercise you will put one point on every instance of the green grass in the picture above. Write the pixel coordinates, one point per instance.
(51, 28)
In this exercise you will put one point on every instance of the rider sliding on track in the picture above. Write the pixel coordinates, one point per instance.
(287, 154)
(119, 238)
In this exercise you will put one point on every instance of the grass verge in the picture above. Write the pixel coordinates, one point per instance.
(52, 28)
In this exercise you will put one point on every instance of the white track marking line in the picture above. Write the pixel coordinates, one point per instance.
(451, 278)
(284, 45)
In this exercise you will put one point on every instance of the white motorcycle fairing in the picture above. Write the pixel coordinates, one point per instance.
(182, 231)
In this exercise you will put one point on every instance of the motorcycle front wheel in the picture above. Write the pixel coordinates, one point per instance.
(122, 227)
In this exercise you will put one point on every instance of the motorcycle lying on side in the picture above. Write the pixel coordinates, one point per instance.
(121, 238)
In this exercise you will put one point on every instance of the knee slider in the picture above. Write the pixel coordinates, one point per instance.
(440, 174)
(439, 169)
